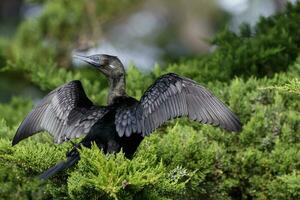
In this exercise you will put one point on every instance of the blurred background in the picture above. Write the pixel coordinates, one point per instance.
(141, 33)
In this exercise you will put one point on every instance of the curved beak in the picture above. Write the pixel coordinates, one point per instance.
(87, 59)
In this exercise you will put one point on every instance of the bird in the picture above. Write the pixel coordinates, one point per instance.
(67, 112)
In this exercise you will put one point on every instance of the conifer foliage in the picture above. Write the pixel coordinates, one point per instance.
(255, 72)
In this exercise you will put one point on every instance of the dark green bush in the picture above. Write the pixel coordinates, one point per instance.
(270, 47)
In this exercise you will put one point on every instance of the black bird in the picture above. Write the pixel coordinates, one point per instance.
(67, 112)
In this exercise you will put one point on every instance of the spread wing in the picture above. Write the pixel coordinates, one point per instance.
(173, 96)
(65, 113)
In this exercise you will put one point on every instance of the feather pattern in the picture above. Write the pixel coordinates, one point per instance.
(65, 113)
(173, 96)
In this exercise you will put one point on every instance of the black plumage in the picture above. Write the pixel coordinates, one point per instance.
(67, 113)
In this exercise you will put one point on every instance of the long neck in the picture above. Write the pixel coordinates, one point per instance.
(117, 89)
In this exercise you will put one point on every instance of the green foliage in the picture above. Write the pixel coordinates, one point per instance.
(42, 46)
(50, 35)
(285, 187)
(8, 111)
(3, 46)
(186, 160)
(21, 164)
(293, 86)
(183, 159)
(128, 179)
(270, 47)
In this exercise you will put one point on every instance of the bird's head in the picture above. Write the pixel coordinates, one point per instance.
(109, 65)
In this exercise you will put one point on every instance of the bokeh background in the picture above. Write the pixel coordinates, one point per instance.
(142, 33)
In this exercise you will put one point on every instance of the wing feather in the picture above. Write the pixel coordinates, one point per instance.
(173, 96)
(65, 113)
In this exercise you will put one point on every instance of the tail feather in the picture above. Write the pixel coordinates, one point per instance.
(59, 167)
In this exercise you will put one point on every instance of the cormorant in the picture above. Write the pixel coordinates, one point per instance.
(67, 112)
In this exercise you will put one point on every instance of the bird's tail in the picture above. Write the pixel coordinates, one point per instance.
(71, 160)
